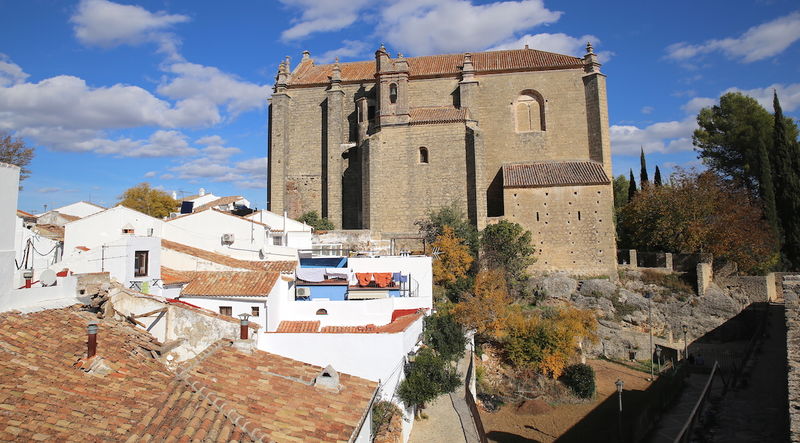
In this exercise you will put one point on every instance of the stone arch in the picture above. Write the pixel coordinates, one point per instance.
(322, 311)
(424, 157)
(393, 92)
(529, 111)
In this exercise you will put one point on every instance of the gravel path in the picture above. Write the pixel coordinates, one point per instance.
(442, 424)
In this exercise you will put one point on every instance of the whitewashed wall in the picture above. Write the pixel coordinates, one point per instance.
(9, 190)
(106, 226)
(63, 294)
(79, 209)
(205, 229)
(419, 266)
(238, 306)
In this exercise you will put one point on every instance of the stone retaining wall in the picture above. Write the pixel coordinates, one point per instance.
(791, 294)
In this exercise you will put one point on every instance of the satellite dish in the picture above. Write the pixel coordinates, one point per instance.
(48, 277)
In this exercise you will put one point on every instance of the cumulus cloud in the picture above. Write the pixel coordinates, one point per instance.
(560, 43)
(349, 49)
(150, 174)
(206, 84)
(665, 137)
(319, 16)
(159, 144)
(757, 43)
(647, 110)
(107, 24)
(789, 95)
(249, 173)
(10, 73)
(441, 26)
(214, 149)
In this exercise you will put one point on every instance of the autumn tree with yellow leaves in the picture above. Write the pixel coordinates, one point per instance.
(454, 260)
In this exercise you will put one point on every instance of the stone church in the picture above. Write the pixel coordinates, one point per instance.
(517, 134)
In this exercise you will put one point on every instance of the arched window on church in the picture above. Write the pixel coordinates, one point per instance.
(529, 112)
(423, 155)
(393, 92)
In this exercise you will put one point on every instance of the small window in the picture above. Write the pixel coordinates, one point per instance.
(322, 312)
(370, 112)
(140, 263)
(277, 241)
(226, 310)
(127, 230)
(393, 92)
(423, 155)
(255, 311)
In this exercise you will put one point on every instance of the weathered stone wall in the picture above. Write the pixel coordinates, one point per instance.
(705, 274)
(572, 227)
(757, 288)
(791, 295)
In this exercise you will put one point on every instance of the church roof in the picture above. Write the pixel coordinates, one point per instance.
(432, 115)
(309, 74)
(553, 173)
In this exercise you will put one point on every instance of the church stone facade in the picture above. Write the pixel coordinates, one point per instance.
(515, 134)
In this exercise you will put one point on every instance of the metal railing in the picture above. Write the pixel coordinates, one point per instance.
(688, 427)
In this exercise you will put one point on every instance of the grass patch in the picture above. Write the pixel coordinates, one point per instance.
(673, 281)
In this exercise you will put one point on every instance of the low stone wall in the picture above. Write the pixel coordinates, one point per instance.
(791, 294)
(758, 288)
(705, 275)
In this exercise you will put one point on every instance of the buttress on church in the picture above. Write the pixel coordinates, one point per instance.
(518, 134)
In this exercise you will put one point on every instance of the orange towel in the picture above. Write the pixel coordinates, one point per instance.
(383, 279)
(364, 278)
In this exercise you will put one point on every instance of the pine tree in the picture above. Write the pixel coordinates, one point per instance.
(787, 184)
(631, 187)
(766, 187)
(657, 177)
(643, 180)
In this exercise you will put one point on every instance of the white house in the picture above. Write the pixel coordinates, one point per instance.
(228, 234)
(108, 226)
(34, 251)
(283, 231)
(79, 209)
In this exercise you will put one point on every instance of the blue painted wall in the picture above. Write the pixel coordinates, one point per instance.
(331, 292)
(324, 262)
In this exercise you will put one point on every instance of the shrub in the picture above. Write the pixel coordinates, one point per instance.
(313, 219)
(445, 335)
(580, 378)
(428, 377)
(382, 413)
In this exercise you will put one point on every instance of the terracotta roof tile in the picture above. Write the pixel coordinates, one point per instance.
(435, 115)
(398, 325)
(50, 391)
(229, 283)
(53, 232)
(274, 266)
(441, 65)
(219, 202)
(298, 326)
(555, 173)
(22, 213)
(276, 397)
(170, 276)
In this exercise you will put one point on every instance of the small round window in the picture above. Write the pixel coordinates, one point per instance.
(322, 312)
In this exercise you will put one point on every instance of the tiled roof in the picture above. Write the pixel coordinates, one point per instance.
(298, 326)
(555, 173)
(441, 65)
(229, 283)
(53, 232)
(276, 397)
(398, 325)
(435, 115)
(219, 202)
(21, 213)
(170, 276)
(274, 266)
(49, 391)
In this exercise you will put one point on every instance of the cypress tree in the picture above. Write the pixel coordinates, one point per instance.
(657, 177)
(787, 186)
(631, 187)
(643, 174)
(766, 187)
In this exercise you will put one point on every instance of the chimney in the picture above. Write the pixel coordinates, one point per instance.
(202, 192)
(91, 344)
(243, 325)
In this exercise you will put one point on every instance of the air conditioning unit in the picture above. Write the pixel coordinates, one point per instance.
(227, 239)
(303, 293)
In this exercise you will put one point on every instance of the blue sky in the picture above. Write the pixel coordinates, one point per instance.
(174, 92)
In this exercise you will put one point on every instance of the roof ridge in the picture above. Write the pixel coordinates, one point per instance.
(451, 54)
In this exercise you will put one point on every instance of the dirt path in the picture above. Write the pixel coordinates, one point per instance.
(560, 423)
(442, 424)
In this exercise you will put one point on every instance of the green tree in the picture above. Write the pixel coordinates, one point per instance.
(728, 136)
(153, 202)
(657, 177)
(766, 187)
(507, 246)
(631, 186)
(429, 376)
(445, 335)
(787, 186)
(643, 180)
(621, 185)
(312, 218)
(14, 151)
(452, 215)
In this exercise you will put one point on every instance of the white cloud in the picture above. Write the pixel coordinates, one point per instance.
(108, 24)
(319, 16)
(250, 173)
(159, 144)
(647, 110)
(757, 43)
(214, 148)
(206, 84)
(789, 95)
(150, 174)
(560, 43)
(441, 26)
(10, 73)
(694, 105)
(665, 137)
(351, 48)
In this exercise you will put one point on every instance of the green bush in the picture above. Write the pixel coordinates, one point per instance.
(580, 378)
(445, 335)
(428, 377)
(313, 219)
